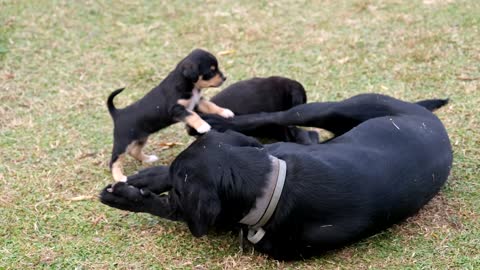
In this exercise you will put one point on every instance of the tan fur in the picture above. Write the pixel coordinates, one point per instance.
(213, 82)
(206, 106)
(117, 168)
(194, 120)
(135, 150)
(183, 102)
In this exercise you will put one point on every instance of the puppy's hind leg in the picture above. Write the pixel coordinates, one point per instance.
(135, 149)
(116, 166)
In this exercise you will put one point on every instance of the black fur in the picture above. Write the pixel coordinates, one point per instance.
(433, 104)
(388, 160)
(271, 94)
(159, 108)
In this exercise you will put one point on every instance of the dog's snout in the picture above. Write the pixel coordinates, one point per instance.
(224, 78)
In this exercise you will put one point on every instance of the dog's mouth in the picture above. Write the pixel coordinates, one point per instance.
(216, 81)
(220, 81)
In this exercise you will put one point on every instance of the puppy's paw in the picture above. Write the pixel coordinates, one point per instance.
(204, 128)
(150, 159)
(226, 113)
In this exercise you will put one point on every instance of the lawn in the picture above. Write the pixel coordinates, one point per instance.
(59, 60)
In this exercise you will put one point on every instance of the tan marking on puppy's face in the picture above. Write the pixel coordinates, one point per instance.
(216, 81)
(213, 78)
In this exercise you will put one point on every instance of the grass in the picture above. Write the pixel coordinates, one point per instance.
(59, 60)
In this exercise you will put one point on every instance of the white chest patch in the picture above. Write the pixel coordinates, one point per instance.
(194, 99)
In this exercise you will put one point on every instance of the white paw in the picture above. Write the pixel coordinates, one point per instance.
(205, 127)
(123, 179)
(226, 113)
(150, 159)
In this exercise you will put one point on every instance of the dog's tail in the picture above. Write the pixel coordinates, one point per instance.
(111, 107)
(433, 104)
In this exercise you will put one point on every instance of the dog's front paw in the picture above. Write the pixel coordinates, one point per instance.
(125, 197)
(204, 128)
(156, 179)
(226, 113)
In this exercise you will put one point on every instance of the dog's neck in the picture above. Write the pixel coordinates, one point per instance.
(270, 197)
(241, 188)
(181, 83)
(266, 204)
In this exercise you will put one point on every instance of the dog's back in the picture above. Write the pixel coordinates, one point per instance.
(270, 94)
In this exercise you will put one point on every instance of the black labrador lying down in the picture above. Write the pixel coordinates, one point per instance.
(390, 160)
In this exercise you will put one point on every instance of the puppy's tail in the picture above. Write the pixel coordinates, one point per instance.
(433, 104)
(111, 107)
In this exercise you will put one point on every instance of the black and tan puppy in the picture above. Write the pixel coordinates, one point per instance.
(388, 160)
(270, 94)
(171, 101)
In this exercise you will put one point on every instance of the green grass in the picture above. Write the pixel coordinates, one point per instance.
(59, 60)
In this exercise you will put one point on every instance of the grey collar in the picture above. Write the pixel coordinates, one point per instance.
(266, 204)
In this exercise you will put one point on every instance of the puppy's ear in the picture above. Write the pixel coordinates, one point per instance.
(190, 70)
(201, 212)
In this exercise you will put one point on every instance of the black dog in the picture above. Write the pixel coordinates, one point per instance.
(271, 94)
(171, 101)
(390, 159)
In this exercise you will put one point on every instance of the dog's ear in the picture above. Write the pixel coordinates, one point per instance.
(190, 70)
(201, 211)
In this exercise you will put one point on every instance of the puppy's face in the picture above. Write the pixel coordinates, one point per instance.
(201, 68)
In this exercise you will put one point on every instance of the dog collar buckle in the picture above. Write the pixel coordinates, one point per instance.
(255, 235)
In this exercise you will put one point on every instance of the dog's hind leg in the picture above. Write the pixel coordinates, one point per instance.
(117, 168)
(116, 162)
(336, 117)
(302, 136)
(135, 149)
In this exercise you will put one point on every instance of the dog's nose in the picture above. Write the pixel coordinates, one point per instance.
(224, 78)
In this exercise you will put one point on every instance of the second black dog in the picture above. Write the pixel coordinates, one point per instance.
(270, 94)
